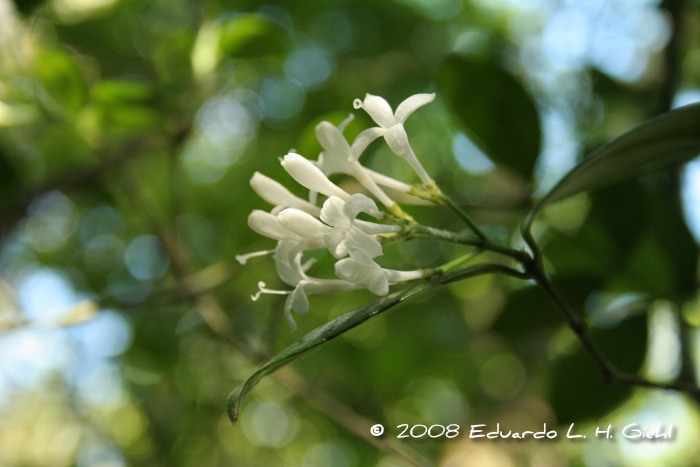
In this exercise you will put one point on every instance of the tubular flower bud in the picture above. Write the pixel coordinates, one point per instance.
(274, 193)
(310, 176)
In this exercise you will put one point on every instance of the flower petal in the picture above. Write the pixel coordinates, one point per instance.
(335, 242)
(332, 212)
(408, 106)
(344, 123)
(310, 176)
(300, 303)
(358, 203)
(367, 244)
(274, 193)
(302, 223)
(331, 138)
(370, 276)
(288, 313)
(379, 285)
(363, 140)
(379, 109)
(397, 139)
(360, 256)
(286, 263)
(269, 226)
(352, 271)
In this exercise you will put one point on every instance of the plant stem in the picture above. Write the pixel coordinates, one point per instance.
(609, 373)
(449, 266)
(483, 243)
(433, 193)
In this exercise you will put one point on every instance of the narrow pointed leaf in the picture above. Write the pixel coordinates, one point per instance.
(344, 323)
(669, 138)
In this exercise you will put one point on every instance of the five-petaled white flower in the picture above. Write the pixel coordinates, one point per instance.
(391, 128)
(347, 231)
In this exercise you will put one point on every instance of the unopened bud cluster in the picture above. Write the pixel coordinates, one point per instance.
(299, 225)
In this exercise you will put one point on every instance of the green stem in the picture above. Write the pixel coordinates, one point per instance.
(483, 243)
(451, 265)
(576, 323)
(449, 202)
(432, 192)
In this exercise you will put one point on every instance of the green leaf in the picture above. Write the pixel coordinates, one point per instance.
(577, 390)
(251, 36)
(529, 311)
(121, 91)
(500, 115)
(344, 323)
(61, 77)
(669, 138)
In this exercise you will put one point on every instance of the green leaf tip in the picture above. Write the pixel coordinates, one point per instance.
(233, 403)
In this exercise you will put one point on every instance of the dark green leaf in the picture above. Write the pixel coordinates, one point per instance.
(578, 391)
(669, 138)
(342, 324)
(500, 115)
(529, 311)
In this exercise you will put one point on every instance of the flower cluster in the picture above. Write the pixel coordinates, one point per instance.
(299, 225)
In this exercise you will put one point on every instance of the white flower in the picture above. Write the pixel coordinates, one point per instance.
(336, 158)
(391, 128)
(302, 224)
(288, 262)
(268, 225)
(344, 231)
(349, 232)
(362, 270)
(274, 193)
(310, 176)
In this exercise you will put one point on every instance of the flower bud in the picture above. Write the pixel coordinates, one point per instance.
(269, 226)
(302, 224)
(310, 176)
(274, 193)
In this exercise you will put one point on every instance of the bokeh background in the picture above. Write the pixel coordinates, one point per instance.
(129, 130)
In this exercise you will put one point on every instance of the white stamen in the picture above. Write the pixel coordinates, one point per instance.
(261, 286)
(357, 103)
(345, 122)
(244, 258)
